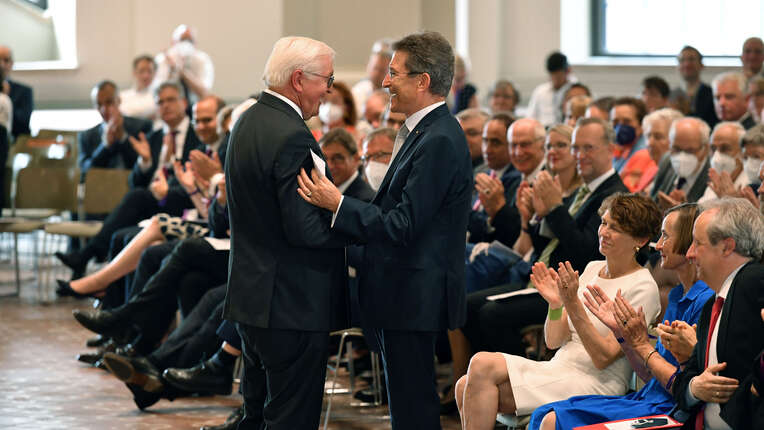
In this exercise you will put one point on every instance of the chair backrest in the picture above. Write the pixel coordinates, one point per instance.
(63, 137)
(47, 152)
(104, 189)
(46, 187)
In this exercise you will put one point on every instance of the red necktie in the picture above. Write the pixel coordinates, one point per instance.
(173, 136)
(476, 205)
(715, 311)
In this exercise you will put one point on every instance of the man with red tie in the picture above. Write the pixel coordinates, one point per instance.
(712, 390)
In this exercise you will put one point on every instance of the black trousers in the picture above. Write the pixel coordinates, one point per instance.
(284, 373)
(137, 205)
(227, 332)
(410, 373)
(195, 339)
(496, 325)
(153, 308)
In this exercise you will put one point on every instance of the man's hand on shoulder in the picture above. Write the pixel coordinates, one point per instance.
(318, 190)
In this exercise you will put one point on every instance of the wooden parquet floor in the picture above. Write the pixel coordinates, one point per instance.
(43, 387)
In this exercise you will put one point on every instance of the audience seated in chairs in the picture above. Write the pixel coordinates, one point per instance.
(589, 360)
(106, 144)
(566, 232)
(628, 326)
(154, 186)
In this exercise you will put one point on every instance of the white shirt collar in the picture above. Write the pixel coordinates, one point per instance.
(286, 100)
(180, 138)
(215, 145)
(414, 119)
(499, 173)
(599, 180)
(344, 186)
(532, 176)
(728, 282)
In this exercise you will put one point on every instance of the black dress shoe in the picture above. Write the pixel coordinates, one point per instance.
(105, 323)
(142, 398)
(204, 378)
(74, 261)
(136, 371)
(89, 357)
(64, 289)
(231, 423)
(95, 342)
(367, 396)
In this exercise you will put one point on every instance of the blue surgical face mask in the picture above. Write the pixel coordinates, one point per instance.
(624, 134)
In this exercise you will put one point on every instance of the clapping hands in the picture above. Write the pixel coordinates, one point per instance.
(557, 288)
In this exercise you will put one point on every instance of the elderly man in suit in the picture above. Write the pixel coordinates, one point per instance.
(412, 282)
(713, 389)
(106, 144)
(20, 94)
(685, 178)
(287, 281)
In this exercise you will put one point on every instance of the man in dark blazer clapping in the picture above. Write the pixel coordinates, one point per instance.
(713, 390)
(412, 276)
(106, 144)
(287, 281)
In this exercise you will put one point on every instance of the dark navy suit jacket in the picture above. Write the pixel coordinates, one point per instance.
(93, 154)
(23, 105)
(412, 276)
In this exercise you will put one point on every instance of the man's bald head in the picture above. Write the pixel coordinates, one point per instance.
(6, 62)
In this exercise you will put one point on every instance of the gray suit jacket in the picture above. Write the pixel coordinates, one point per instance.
(665, 180)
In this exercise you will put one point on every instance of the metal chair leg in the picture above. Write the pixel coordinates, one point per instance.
(334, 381)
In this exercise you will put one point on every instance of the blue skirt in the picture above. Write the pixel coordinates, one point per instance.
(576, 411)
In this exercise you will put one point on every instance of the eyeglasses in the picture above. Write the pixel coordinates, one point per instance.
(375, 156)
(583, 149)
(329, 79)
(557, 146)
(393, 73)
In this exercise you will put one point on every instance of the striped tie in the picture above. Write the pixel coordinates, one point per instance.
(581, 195)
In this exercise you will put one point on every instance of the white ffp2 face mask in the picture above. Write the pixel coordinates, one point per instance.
(751, 167)
(375, 173)
(723, 163)
(684, 164)
(329, 113)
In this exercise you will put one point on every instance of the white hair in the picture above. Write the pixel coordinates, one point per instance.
(294, 53)
(737, 77)
(703, 129)
(739, 130)
(539, 132)
(240, 109)
(738, 219)
(665, 114)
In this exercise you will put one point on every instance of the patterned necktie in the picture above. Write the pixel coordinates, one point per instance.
(715, 311)
(399, 140)
(578, 201)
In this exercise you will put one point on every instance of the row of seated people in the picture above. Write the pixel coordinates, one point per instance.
(506, 222)
(597, 163)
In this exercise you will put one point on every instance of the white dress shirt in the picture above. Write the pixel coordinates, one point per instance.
(545, 104)
(138, 103)
(411, 123)
(711, 413)
(180, 140)
(285, 100)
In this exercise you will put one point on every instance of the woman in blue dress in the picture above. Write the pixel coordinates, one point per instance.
(656, 366)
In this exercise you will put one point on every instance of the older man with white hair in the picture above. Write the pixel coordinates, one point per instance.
(287, 285)
(726, 175)
(713, 389)
(688, 152)
(730, 99)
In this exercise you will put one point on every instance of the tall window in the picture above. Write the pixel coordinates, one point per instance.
(662, 27)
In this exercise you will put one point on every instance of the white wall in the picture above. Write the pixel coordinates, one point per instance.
(507, 39)
(31, 34)
(238, 35)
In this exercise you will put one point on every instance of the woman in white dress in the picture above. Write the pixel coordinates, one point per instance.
(589, 360)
